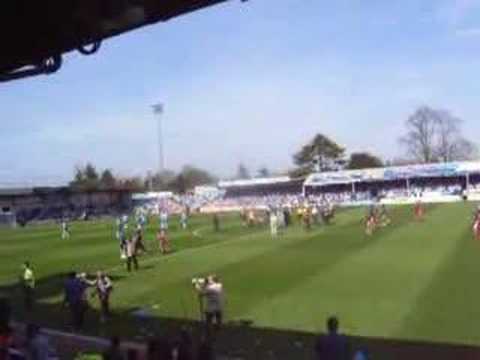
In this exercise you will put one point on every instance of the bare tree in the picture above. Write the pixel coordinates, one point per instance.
(435, 135)
(464, 149)
(448, 132)
(451, 145)
(419, 140)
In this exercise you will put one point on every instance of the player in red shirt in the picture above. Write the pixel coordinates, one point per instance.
(476, 224)
(371, 220)
(163, 241)
(419, 210)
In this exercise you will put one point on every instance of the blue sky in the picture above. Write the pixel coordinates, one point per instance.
(246, 82)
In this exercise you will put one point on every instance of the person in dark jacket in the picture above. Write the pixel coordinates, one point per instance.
(75, 298)
(114, 351)
(332, 346)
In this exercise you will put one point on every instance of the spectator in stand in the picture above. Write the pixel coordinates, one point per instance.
(205, 351)
(37, 344)
(132, 354)
(185, 346)
(332, 346)
(5, 330)
(159, 349)
(165, 351)
(152, 349)
(113, 352)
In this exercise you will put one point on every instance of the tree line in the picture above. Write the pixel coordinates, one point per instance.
(89, 178)
(431, 135)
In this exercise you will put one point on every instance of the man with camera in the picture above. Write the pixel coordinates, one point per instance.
(211, 296)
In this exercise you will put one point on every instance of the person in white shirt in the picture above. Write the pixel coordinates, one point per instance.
(163, 220)
(281, 218)
(131, 252)
(273, 224)
(103, 286)
(65, 230)
(184, 220)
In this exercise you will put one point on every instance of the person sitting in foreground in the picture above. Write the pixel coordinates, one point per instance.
(332, 346)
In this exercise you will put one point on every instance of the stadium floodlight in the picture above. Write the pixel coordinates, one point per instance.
(158, 110)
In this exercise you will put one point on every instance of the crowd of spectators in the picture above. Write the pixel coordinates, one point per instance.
(341, 194)
(30, 342)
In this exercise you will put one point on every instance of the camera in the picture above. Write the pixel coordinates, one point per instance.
(199, 282)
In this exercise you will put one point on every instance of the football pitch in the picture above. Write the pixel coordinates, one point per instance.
(411, 280)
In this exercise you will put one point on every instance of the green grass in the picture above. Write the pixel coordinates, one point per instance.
(411, 280)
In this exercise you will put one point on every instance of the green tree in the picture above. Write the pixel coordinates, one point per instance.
(160, 181)
(178, 184)
(92, 180)
(86, 178)
(263, 172)
(188, 178)
(363, 160)
(107, 180)
(134, 183)
(90, 172)
(321, 152)
(194, 176)
(79, 177)
(242, 172)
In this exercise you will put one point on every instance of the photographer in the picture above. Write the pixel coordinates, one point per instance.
(211, 295)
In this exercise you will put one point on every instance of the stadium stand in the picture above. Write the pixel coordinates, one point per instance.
(39, 204)
(444, 182)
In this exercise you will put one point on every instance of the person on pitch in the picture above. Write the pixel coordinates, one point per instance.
(139, 244)
(419, 211)
(307, 218)
(281, 218)
(384, 218)
(164, 220)
(251, 218)
(476, 224)
(131, 252)
(184, 219)
(75, 298)
(65, 230)
(163, 242)
(371, 221)
(243, 216)
(28, 285)
(216, 223)
(103, 289)
(273, 223)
